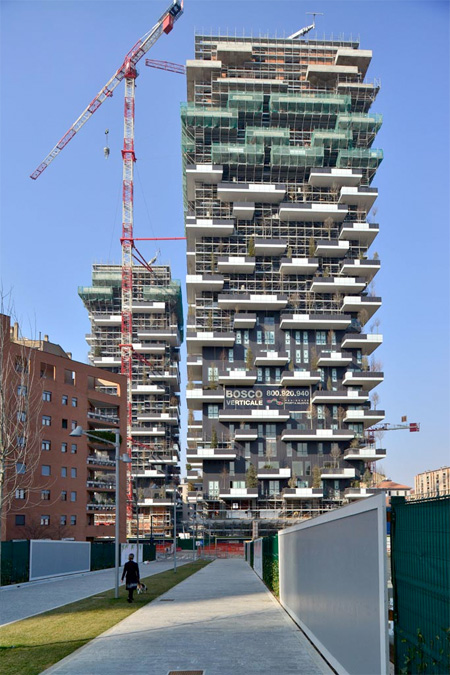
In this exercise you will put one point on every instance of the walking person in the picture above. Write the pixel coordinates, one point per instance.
(131, 572)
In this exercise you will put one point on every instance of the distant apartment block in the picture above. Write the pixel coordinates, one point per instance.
(57, 486)
(279, 163)
(157, 330)
(432, 483)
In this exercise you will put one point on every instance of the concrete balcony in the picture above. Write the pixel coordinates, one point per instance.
(171, 376)
(312, 212)
(147, 389)
(367, 303)
(367, 454)
(331, 176)
(361, 197)
(238, 377)
(199, 70)
(332, 435)
(337, 473)
(252, 415)
(236, 264)
(269, 247)
(151, 348)
(210, 339)
(289, 266)
(363, 233)
(315, 321)
(302, 493)
(211, 454)
(331, 248)
(335, 397)
(171, 336)
(338, 285)
(198, 396)
(153, 501)
(360, 268)
(147, 431)
(245, 435)
(148, 307)
(272, 358)
(299, 378)
(194, 367)
(321, 74)
(195, 497)
(148, 473)
(334, 359)
(101, 462)
(208, 227)
(197, 283)
(161, 417)
(251, 301)
(201, 173)
(367, 343)
(106, 319)
(239, 493)
(100, 486)
(106, 361)
(360, 58)
(274, 474)
(244, 320)
(243, 210)
(194, 475)
(266, 193)
(360, 493)
(101, 507)
(366, 417)
(365, 379)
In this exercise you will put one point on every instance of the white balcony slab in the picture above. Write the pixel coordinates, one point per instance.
(251, 301)
(338, 285)
(360, 58)
(315, 321)
(351, 397)
(320, 73)
(237, 377)
(332, 248)
(365, 379)
(244, 320)
(106, 319)
(105, 361)
(331, 176)
(361, 197)
(312, 212)
(274, 474)
(209, 227)
(334, 359)
(298, 266)
(252, 415)
(154, 348)
(360, 268)
(289, 435)
(235, 264)
(243, 210)
(201, 173)
(244, 435)
(366, 342)
(269, 247)
(148, 307)
(299, 378)
(333, 474)
(363, 233)
(267, 193)
(303, 493)
(272, 358)
(352, 303)
(370, 454)
(367, 417)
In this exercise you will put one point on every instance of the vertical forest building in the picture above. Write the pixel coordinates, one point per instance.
(279, 163)
(157, 330)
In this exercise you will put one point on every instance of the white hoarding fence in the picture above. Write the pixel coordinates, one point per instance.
(49, 558)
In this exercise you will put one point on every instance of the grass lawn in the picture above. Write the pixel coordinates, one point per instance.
(30, 646)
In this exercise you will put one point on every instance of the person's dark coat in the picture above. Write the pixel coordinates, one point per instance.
(131, 572)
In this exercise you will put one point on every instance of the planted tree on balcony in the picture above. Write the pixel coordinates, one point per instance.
(374, 399)
(365, 363)
(251, 247)
(363, 317)
(328, 222)
(191, 486)
(251, 477)
(314, 358)
(249, 359)
(292, 482)
(294, 300)
(224, 477)
(367, 477)
(376, 366)
(340, 415)
(335, 454)
(311, 247)
(210, 321)
(214, 440)
(329, 384)
(289, 252)
(316, 477)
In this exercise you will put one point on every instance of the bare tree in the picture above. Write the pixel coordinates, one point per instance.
(335, 454)
(328, 222)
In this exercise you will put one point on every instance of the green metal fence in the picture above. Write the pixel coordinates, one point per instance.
(15, 563)
(269, 563)
(102, 555)
(420, 554)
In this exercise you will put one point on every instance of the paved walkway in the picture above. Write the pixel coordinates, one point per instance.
(222, 620)
(29, 599)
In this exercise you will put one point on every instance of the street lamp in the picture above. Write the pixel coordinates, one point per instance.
(79, 431)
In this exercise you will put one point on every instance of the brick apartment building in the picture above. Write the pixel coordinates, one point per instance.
(57, 486)
(432, 483)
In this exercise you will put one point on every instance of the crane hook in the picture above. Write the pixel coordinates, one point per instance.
(106, 148)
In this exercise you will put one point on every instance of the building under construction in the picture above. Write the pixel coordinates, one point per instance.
(157, 332)
(277, 141)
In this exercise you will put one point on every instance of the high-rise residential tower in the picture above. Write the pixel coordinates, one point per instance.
(157, 328)
(277, 139)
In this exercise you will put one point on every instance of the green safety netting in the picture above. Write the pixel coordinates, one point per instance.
(303, 157)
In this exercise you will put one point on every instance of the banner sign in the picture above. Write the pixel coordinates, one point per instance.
(267, 396)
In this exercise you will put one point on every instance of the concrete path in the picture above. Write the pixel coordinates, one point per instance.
(28, 599)
(222, 620)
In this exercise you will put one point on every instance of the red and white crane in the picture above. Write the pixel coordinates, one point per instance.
(127, 72)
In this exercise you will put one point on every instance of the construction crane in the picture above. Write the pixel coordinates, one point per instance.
(410, 426)
(306, 29)
(127, 72)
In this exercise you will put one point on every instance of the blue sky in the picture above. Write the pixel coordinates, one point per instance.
(56, 55)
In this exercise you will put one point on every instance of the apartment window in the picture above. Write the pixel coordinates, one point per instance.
(277, 374)
(297, 468)
(46, 420)
(45, 520)
(64, 424)
(73, 473)
(73, 520)
(287, 338)
(288, 449)
(259, 337)
(21, 467)
(260, 449)
(46, 470)
(74, 448)
(46, 445)
(231, 468)
(297, 337)
(69, 377)
(213, 411)
(230, 356)
(333, 337)
(21, 365)
(298, 356)
(335, 412)
(22, 390)
(20, 520)
(63, 520)
(63, 447)
(302, 449)
(320, 415)
(231, 430)
(213, 374)
(322, 374)
(246, 337)
(64, 496)
(21, 441)
(47, 396)
(321, 337)
(307, 468)
(74, 425)
(305, 356)
(21, 416)
(74, 402)
(271, 430)
(269, 337)
(260, 430)
(213, 488)
(267, 374)
(65, 400)
(274, 487)
(64, 472)
(247, 450)
(320, 448)
(73, 496)
(358, 357)
(238, 337)
(269, 321)
(333, 375)
(45, 495)
(20, 493)
(259, 375)
(305, 337)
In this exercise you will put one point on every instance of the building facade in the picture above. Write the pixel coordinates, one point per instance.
(432, 483)
(56, 486)
(278, 160)
(157, 328)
